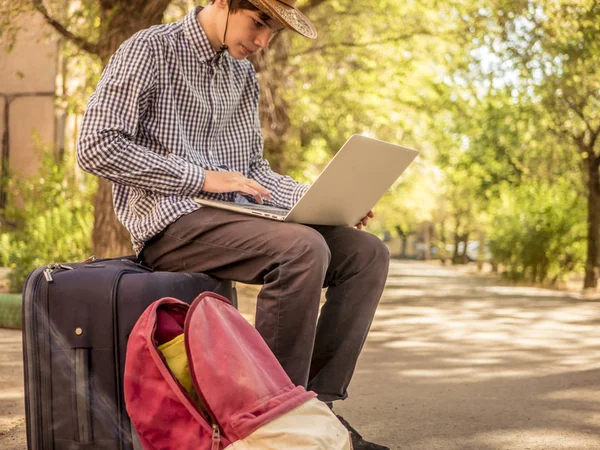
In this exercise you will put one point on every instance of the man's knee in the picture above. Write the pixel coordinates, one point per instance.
(308, 249)
(373, 254)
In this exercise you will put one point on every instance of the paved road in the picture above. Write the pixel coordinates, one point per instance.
(453, 362)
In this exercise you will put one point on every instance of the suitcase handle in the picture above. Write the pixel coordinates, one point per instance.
(82, 390)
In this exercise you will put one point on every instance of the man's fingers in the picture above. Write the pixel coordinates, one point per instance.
(261, 190)
(364, 221)
(254, 193)
(218, 182)
(257, 191)
(244, 188)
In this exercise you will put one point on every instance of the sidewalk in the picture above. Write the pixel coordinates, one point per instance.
(12, 419)
(454, 361)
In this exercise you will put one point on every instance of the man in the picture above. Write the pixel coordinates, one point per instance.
(175, 116)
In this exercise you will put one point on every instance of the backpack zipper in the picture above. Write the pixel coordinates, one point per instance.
(216, 437)
(200, 406)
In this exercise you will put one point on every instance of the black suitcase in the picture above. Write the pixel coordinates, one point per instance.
(76, 321)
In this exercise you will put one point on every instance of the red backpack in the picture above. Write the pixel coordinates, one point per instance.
(245, 399)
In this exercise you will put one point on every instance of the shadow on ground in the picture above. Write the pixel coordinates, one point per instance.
(454, 362)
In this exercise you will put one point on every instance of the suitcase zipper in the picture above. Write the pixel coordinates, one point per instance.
(35, 384)
(50, 268)
(31, 368)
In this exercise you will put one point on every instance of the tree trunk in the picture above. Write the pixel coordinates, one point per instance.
(427, 241)
(109, 237)
(442, 242)
(593, 166)
(464, 238)
(456, 241)
(481, 251)
(272, 68)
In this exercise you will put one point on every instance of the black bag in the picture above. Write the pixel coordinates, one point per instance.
(76, 322)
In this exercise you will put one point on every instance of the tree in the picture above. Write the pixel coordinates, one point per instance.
(554, 47)
(522, 102)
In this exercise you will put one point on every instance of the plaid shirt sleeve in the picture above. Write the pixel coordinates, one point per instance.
(106, 147)
(284, 190)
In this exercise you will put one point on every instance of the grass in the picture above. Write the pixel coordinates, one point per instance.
(10, 311)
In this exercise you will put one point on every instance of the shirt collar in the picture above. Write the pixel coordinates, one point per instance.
(199, 41)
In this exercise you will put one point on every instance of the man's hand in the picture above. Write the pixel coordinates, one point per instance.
(365, 220)
(221, 182)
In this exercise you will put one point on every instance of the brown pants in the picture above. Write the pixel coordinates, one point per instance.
(293, 263)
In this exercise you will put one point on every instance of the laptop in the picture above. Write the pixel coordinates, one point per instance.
(347, 189)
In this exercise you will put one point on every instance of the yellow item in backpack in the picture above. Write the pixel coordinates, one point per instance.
(177, 361)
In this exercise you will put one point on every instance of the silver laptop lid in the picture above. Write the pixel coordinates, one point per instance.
(352, 183)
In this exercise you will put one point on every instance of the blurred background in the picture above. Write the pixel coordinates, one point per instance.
(502, 98)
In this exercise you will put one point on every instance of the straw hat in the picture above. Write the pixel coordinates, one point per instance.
(286, 12)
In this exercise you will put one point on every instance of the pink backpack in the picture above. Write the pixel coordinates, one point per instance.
(246, 400)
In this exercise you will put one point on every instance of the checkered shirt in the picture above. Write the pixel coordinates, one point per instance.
(167, 108)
